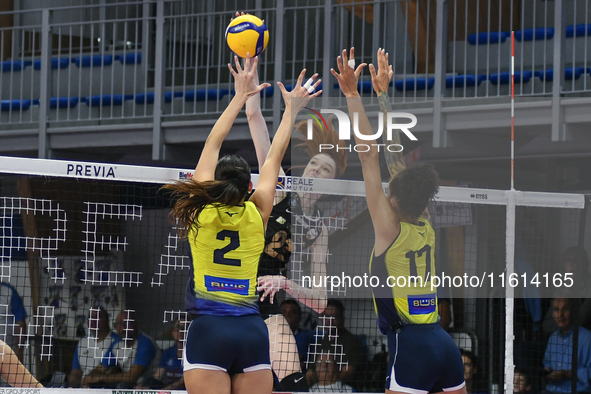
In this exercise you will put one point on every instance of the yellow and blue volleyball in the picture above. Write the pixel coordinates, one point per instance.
(247, 34)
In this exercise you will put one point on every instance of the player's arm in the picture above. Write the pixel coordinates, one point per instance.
(295, 100)
(385, 222)
(259, 132)
(256, 122)
(313, 297)
(205, 169)
(258, 126)
(380, 81)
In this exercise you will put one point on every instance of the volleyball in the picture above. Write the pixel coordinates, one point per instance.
(247, 34)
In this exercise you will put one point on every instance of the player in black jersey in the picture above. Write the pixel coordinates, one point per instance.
(304, 241)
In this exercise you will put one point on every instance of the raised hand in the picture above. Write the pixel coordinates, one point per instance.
(381, 80)
(299, 97)
(244, 77)
(347, 76)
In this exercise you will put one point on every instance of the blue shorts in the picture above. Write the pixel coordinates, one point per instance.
(423, 359)
(232, 344)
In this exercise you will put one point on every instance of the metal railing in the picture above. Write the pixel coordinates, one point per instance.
(154, 61)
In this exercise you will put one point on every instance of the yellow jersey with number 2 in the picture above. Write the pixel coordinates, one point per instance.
(225, 252)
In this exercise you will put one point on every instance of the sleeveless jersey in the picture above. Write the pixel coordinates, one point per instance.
(225, 252)
(405, 269)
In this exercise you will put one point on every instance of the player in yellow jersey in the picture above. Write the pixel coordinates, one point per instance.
(227, 348)
(423, 357)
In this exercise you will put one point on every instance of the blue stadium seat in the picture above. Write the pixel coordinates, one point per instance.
(130, 58)
(106, 99)
(94, 61)
(15, 105)
(492, 37)
(148, 98)
(570, 73)
(578, 30)
(505, 78)
(364, 86)
(459, 81)
(201, 94)
(539, 33)
(15, 65)
(61, 62)
(411, 83)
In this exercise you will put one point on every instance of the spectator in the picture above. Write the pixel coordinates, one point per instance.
(346, 346)
(558, 357)
(126, 360)
(328, 375)
(290, 309)
(16, 310)
(521, 382)
(470, 372)
(169, 374)
(576, 262)
(90, 350)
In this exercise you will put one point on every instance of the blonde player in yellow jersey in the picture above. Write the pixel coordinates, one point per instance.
(423, 357)
(227, 348)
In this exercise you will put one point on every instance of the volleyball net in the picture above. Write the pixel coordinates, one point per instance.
(80, 239)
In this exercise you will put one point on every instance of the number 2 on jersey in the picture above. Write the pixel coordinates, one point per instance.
(413, 262)
(219, 254)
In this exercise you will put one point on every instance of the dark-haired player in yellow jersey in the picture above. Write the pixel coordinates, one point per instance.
(227, 348)
(423, 357)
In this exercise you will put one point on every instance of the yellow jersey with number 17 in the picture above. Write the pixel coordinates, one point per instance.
(406, 269)
(225, 252)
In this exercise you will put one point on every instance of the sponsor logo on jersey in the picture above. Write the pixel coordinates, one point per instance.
(235, 286)
(422, 304)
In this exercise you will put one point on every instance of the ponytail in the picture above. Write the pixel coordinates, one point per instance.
(192, 197)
